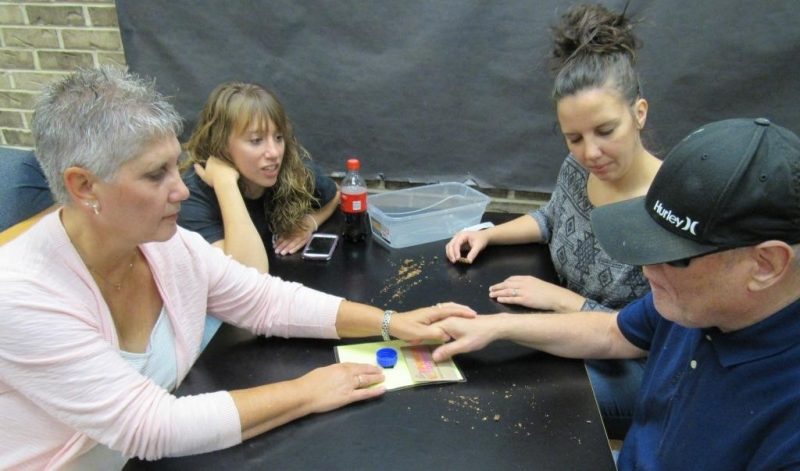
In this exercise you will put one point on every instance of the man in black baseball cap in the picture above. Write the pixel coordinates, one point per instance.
(729, 184)
(718, 236)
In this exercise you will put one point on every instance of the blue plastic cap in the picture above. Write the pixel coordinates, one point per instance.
(387, 357)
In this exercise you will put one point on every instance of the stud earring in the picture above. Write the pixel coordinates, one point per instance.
(94, 205)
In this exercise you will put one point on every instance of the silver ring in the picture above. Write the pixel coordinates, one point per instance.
(514, 292)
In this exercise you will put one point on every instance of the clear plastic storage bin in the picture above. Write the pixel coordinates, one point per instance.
(413, 216)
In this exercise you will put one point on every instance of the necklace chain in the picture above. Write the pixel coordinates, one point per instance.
(117, 286)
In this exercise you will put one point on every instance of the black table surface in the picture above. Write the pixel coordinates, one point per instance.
(518, 409)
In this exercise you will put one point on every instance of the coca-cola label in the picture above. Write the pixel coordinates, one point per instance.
(354, 203)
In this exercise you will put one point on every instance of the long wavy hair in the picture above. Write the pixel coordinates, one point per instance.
(231, 109)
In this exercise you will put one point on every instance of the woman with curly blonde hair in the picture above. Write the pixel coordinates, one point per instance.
(250, 178)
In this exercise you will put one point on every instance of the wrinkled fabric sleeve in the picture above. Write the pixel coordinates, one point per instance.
(638, 321)
(592, 305)
(545, 215)
(261, 303)
(57, 349)
(324, 187)
(52, 354)
(201, 212)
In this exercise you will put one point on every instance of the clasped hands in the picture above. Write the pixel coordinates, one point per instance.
(465, 331)
(448, 322)
(335, 385)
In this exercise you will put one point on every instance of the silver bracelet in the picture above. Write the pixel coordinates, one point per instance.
(387, 317)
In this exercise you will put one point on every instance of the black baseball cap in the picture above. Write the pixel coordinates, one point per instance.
(731, 183)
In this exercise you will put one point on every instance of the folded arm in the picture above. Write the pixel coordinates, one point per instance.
(242, 241)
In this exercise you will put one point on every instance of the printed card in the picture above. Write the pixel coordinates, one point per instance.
(415, 365)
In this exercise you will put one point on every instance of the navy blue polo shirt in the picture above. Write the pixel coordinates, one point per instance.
(711, 400)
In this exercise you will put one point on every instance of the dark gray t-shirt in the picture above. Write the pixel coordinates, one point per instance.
(201, 212)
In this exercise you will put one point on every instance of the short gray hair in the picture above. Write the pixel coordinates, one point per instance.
(98, 119)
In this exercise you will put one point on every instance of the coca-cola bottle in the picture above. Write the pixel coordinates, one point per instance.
(354, 203)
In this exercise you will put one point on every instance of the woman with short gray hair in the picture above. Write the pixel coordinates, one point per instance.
(102, 303)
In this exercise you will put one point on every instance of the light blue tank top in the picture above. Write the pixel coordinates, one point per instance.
(158, 363)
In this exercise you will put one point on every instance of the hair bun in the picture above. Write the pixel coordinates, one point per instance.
(590, 30)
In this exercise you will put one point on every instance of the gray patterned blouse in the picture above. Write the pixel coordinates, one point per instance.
(582, 266)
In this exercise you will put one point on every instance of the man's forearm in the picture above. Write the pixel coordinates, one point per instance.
(573, 335)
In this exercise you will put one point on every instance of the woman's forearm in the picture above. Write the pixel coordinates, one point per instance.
(323, 389)
(358, 320)
(325, 212)
(242, 241)
(266, 407)
(521, 230)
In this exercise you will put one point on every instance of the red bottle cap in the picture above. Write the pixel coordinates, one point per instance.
(353, 164)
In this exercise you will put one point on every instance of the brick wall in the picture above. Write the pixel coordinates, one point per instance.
(42, 40)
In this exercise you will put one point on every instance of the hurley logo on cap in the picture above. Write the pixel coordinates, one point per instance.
(739, 179)
(685, 224)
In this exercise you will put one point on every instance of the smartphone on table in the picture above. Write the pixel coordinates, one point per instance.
(320, 246)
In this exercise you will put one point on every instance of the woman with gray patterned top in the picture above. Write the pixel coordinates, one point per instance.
(601, 113)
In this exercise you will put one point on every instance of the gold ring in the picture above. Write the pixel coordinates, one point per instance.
(439, 305)
(359, 380)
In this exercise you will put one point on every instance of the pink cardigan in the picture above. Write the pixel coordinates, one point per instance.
(64, 385)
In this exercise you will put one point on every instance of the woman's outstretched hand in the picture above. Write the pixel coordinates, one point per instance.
(534, 293)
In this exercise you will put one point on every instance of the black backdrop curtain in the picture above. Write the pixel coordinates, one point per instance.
(453, 90)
